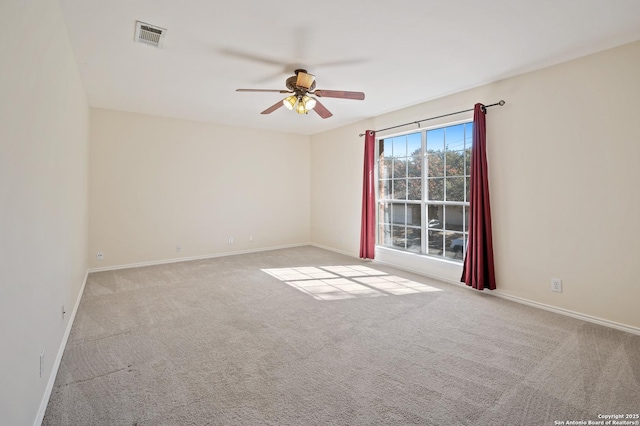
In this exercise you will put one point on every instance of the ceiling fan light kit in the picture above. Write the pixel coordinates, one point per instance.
(300, 109)
(290, 102)
(309, 102)
(302, 86)
(301, 104)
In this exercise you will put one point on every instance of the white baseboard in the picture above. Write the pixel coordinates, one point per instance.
(335, 250)
(187, 259)
(56, 363)
(554, 309)
(567, 312)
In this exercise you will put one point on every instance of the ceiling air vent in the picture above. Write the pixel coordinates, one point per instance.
(149, 34)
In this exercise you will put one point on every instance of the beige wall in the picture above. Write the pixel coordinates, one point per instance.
(157, 182)
(44, 134)
(564, 169)
(336, 188)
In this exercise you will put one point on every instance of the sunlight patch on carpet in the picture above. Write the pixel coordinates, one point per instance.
(346, 282)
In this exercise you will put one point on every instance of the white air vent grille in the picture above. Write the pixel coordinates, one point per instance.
(149, 34)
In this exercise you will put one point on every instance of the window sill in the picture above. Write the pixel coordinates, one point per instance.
(443, 269)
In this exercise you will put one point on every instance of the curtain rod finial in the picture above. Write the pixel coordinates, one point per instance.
(501, 103)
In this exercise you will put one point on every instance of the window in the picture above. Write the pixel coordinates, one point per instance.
(423, 191)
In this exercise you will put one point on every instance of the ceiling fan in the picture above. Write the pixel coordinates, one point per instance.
(302, 89)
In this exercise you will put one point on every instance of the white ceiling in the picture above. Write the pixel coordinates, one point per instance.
(399, 52)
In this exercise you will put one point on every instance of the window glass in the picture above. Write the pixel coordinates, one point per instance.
(454, 188)
(414, 240)
(435, 141)
(436, 189)
(455, 163)
(399, 168)
(424, 189)
(453, 245)
(435, 163)
(454, 218)
(414, 144)
(414, 189)
(400, 146)
(455, 137)
(414, 165)
(399, 189)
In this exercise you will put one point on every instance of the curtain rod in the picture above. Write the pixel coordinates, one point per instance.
(501, 103)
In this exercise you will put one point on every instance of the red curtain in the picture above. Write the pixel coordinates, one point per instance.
(478, 271)
(368, 224)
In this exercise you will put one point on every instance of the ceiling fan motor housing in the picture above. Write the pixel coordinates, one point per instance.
(291, 85)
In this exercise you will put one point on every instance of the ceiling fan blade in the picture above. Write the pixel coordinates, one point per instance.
(272, 108)
(339, 94)
(305, 80)
(322, 110)
(264, 90)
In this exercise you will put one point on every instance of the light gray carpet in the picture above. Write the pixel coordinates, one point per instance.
(221, 342)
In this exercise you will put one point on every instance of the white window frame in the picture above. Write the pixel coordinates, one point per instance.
(423, 202)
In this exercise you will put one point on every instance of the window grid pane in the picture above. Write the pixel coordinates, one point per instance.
(438, 192)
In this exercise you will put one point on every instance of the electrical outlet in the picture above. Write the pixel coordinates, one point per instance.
(178, 249)
(99, 255)
(41, 362)
(230, 240)
(556, 285)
